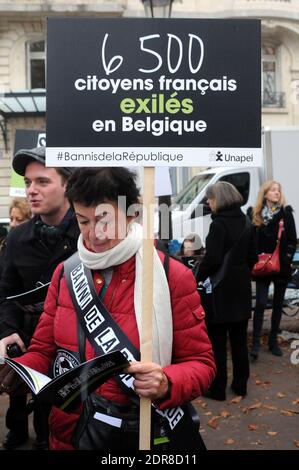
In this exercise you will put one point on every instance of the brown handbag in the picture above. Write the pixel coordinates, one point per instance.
(269, 263)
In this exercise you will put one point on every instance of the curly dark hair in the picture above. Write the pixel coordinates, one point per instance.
(93, 186)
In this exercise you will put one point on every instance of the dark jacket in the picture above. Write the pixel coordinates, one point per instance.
(232, 296)
(26, 261)
(266, 236)
(2, 252)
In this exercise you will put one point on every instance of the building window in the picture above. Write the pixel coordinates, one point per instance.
(271, 96)
(36, 64)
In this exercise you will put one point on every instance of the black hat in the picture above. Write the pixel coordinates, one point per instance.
(25, 156)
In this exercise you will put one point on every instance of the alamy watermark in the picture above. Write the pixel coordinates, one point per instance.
(112, 217)
(294, 358)
(294, 98)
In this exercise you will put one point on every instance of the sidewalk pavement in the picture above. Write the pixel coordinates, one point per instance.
(266, 419)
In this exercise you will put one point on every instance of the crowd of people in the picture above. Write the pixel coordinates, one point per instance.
(17, 416)
(31, 253)
(78, 215)
(225, 274)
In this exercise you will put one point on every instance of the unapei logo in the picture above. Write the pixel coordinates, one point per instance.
(229, 157)
(216, 156)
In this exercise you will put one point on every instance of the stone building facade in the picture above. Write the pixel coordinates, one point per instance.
(22, 59)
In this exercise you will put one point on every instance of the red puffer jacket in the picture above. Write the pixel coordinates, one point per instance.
(191, 372)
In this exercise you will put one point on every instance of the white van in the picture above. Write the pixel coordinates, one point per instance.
(281, 163)
(190, 212)
(4, 223)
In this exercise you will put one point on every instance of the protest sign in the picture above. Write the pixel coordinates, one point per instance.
(149, 93)
(153, 92)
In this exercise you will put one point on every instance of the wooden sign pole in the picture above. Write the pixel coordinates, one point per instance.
(147, 298)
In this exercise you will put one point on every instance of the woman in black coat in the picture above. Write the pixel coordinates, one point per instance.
(228, 308)
(270, 209)
(19, 212)
(17, 413)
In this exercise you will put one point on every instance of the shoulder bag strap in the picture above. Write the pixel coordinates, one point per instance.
(191, 410)
(103, 333)
(280, 229)
(106, 336)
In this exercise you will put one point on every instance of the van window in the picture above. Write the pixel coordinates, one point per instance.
(241, 181)
(4, 228)
(191, 190)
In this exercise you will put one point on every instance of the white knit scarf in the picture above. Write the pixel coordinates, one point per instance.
(162, 314)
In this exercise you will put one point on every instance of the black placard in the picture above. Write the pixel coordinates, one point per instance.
(29, 138)
(157, 84)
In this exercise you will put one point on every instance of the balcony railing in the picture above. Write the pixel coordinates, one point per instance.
(273, 100)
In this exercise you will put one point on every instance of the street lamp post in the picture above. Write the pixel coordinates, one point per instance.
(158, 8)
(154, 9)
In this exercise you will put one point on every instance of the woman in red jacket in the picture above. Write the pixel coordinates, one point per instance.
(104, 201)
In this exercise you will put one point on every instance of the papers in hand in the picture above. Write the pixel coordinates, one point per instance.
(33, 296)
(69, 389)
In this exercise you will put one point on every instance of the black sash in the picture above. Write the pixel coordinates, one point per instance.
(105, 336)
